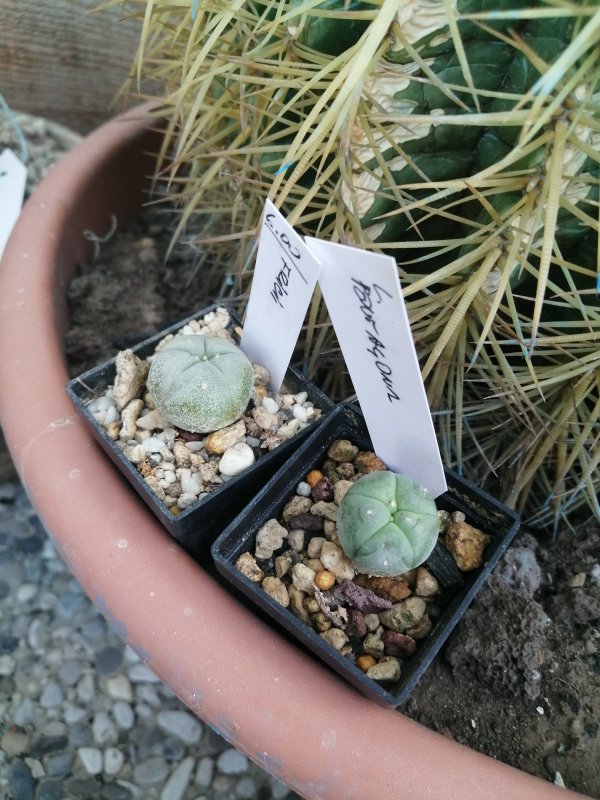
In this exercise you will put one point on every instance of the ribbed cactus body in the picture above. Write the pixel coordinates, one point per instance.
(200, 383)
(387, 524)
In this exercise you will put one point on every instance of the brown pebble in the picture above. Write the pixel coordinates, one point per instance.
(247, 565)
(324, 580)
(321, 622)
(313, 477)
(387, 669)
(307, 522)
(311, 605)
(346, 471)
(342, 450)
(395, 588)
(365, 662)
(330, 470)
(403, 615)
(260, 392)
(356, 627)
(367, 462)
(323, 490)
(297, 599)
(398, 644)
(422, 628)
(277, 590)
(466, 544)
(426, 584)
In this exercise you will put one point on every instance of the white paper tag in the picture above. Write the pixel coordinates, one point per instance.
(363, 296)
(285, 276)
(13, 175)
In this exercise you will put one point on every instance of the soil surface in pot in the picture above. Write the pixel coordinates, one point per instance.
(519, 680)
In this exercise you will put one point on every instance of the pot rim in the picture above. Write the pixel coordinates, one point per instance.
(225, 664)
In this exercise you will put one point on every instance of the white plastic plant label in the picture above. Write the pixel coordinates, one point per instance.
(13, 175)
(363, 296)
(285, 276)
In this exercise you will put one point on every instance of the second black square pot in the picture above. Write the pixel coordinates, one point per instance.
(481, 511)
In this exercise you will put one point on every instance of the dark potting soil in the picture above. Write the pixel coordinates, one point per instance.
(519, 680)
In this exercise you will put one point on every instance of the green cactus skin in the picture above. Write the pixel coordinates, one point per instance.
(200, 383)
(387, 524)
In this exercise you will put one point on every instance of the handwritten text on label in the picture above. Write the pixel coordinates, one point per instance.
(364, 301)
(284, 279)
(376, 347)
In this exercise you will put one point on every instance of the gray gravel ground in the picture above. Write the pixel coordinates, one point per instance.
(80, 715)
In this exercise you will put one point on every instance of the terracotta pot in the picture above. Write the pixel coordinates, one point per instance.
(274, 703)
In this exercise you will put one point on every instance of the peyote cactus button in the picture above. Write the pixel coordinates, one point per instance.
(201, 383)
(387, 524)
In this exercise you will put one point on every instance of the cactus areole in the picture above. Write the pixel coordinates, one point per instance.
(200, 383)
(387, 524)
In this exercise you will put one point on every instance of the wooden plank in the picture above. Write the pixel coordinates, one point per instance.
(59, 60)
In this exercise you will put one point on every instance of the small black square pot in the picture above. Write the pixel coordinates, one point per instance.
(459, 588)
(196, 527)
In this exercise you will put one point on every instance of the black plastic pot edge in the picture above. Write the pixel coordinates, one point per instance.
(481, 510)
(196, 527)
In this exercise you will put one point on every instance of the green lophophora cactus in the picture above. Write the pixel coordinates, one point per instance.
(387, 524)
(200, 383)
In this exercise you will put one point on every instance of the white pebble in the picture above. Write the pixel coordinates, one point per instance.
(153, 444)
(301, 397)
(186, 500)
(303, 489)
(175, 787)
(103, 729)
(141, 672)
(91, 758)
(136, 453)
(73, 714)
(189, 485)
(119, 688)
(169, 478)
(180, 724)
(270, 405)
(232, 762)
(123, 715)
(204, 771)
(7, 665)
(300, 413)
(113, 760)
(101, 404)
(25, 592)
(194, 446)
(112, 415)
(236, 459)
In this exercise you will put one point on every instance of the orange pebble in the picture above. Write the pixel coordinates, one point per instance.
(313, 477)
(324, 580)
(365, 662)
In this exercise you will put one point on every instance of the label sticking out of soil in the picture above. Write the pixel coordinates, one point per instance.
(13, 175)
(284, 279)
(364, 299)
